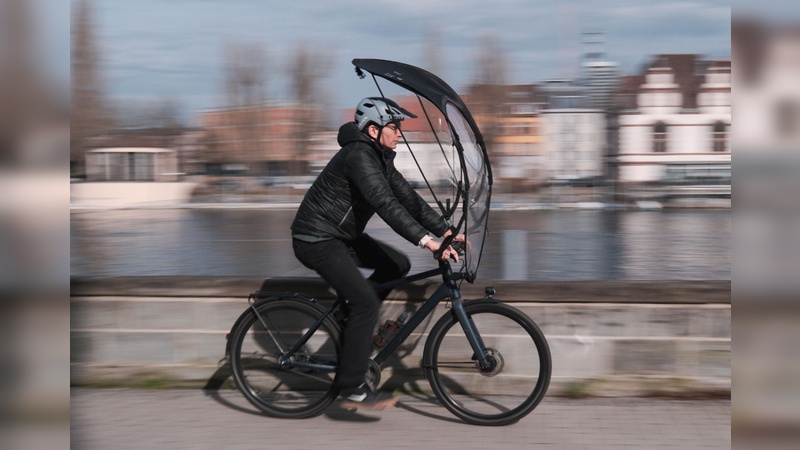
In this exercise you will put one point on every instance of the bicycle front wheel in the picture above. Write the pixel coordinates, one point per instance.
(260, 340)
(498, 395)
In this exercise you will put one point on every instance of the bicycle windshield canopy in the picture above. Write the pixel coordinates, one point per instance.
(476, 191)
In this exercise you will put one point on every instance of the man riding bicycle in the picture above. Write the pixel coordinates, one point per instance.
(328, 233)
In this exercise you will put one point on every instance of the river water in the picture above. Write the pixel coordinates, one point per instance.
(691, 244)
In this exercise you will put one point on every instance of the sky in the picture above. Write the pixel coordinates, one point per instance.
(172, 50)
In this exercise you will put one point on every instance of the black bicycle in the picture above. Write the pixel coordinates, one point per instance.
(487, 362)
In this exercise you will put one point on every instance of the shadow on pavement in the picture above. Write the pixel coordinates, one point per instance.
(407, 407)
(403, 384)
(345, 415)
(215, 382)
(223, 373)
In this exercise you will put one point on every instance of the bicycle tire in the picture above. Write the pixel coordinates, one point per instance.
(500, 396)
(256, 343)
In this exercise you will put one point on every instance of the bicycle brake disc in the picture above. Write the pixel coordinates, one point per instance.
(374, 373)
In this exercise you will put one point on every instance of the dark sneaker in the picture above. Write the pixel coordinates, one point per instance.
(363, 397)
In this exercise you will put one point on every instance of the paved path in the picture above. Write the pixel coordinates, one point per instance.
(192, 419)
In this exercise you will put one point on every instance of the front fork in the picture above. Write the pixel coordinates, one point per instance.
(467, 324)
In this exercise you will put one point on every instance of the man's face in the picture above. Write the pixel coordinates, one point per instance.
(390, 136)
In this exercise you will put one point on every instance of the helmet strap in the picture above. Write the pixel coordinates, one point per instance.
(380, 132)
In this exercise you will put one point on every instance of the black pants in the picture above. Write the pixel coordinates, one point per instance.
(338, 262)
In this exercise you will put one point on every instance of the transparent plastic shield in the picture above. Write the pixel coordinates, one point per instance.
(476, 189)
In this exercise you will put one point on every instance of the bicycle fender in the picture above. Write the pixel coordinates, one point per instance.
(479, 301)
(257, 299)
(260, 296)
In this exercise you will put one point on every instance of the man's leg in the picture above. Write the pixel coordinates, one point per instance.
(389, 263)
(332, 260)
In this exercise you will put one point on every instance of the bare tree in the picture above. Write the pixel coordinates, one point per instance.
(245, 74)
(432, 51)
(162, 114)
(165, 115)
(245, 87)
(492, 67)
(90, 115)
(307, 69)
(26, 97)
(489, 86)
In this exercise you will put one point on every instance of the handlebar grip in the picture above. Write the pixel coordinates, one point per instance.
(446, 243)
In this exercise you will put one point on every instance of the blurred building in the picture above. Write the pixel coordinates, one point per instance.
(123, 176)
(535, 134)
(542, 134)
(518, 152)
(600, 80)
(188, 145)
(132, 164)
(574, 134)
(599, 76)
(674, 125)
(509, 118)
(270, 140)
(139, 166)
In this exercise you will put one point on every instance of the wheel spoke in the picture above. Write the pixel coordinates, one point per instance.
(458, 365)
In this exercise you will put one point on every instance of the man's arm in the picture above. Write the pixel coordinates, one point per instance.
(416, 205)
(364, 172)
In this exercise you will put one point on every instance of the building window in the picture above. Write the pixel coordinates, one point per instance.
(720, 137)
(660, 137)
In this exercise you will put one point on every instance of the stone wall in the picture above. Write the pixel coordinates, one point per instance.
(606, 338)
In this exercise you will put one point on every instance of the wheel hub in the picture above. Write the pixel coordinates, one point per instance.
(496, 363)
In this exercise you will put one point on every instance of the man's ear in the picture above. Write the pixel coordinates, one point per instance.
(372, 130)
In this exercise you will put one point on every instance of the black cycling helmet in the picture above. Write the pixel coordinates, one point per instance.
(381, 111)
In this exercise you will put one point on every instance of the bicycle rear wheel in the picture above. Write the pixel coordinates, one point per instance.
(503, 393)
(259, 341)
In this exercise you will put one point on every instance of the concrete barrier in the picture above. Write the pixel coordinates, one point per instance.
(606, 338)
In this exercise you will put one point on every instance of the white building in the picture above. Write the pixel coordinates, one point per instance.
(124, 176)
(574, 143)
(574, 139)
(132, 164)
(679, 130)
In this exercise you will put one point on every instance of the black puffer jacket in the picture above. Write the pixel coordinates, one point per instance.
(359, 181)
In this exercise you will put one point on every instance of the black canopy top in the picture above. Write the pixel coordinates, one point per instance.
(421, 82)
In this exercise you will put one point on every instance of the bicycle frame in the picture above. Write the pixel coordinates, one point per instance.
(448, 289)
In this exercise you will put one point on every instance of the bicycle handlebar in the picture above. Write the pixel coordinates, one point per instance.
(446, 243)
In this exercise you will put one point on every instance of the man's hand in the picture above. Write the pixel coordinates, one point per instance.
(449, 252)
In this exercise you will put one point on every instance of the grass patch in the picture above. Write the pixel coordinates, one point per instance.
(577, 389)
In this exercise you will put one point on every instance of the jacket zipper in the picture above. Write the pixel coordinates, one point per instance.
(345, 215)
